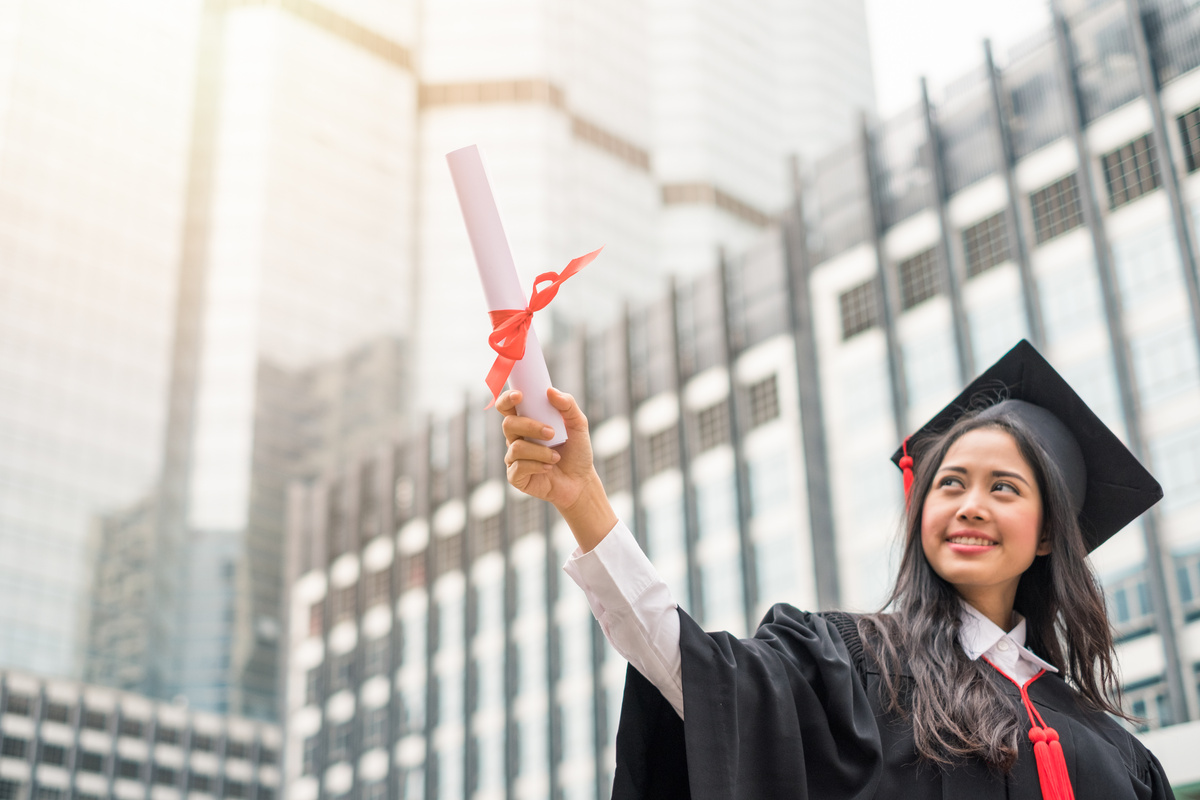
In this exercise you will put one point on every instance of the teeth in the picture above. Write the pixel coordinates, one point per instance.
(975, 540)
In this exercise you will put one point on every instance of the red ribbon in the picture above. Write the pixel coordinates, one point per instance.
(510, 326)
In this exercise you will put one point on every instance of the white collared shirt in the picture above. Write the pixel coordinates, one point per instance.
(638, 616)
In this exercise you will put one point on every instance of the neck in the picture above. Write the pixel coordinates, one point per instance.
(996, 607)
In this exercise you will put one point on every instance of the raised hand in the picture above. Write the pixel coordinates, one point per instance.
(564, 476)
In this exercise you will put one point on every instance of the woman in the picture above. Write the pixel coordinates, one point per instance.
(961, 691)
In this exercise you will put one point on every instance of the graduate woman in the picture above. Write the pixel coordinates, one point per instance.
(991, 674)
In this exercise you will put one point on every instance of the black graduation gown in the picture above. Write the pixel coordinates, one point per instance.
(792, 714)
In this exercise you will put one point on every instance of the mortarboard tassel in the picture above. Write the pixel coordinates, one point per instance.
(1051, 761)
(906, 464)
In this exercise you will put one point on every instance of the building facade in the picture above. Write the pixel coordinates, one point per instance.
(743, 422)
(60, 739)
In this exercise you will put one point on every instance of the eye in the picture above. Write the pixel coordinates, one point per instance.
(949, 480)
(1005, 486)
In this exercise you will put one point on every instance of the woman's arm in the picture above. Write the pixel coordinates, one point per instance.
(626, 595)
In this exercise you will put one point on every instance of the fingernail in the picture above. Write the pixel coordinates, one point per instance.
(547, 432)
(555, 456)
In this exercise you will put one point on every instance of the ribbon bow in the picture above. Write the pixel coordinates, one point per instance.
(510, 326)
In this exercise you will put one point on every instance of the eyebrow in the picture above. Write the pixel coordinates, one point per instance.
(996, 473)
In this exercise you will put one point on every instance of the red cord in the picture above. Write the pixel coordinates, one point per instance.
(1051, 761)
(906, 464)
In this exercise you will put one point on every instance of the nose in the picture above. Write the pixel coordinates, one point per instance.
(973, 505)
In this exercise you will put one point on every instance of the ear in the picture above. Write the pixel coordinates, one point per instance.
(1043, 548)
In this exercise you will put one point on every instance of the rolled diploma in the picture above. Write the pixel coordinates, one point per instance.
(501, 287)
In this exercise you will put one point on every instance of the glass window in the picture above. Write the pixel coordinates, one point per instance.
(1189, 132)
(860, 308)
(1130, 171)
(374, 722)
(919, 278)
(663, 450)
(997, 323)
(1165, 363)
(1071, 300)
(1176, 460)
(930, 368)
(985, 244)
(716, 503)
(376, 655)
(763, 399)
(771, 482)
(1147, 266)
(723, 597)
(712, 426)
(1056, 209)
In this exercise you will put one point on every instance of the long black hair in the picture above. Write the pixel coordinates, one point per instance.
(955, 705)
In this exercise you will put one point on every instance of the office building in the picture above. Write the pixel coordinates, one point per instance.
(743, 423)
(60, 739)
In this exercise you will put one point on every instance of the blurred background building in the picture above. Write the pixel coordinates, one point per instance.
(67, 740)
(211, 211)
(743, 421)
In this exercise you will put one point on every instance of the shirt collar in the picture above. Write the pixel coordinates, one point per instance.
(978, 634)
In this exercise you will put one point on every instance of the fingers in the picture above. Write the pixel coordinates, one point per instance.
(521, 450)
(516, 428)
(508, 401)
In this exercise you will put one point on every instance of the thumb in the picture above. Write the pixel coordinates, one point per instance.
(565, 404)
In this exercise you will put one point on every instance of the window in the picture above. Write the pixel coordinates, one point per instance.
(1129, 605)
(95, 720)
(344, 603)
(1189, 132)
(19, 704)
(236, 749)
(312, 689)
(376, 655)
(374, 791)
(712, 426)
(58, 712)
(91, 762)
(131, 727)
(198, 782)
(234, 788)
(166, 735)
(487, 535)
(985, 244)
(764, 401)
(203, 742)
(378, 587)
(1147, 702)
(54, 754)
(860, 309)
(14, 747)
(339, 742)
(1056, 209)
(663, 450)
(316, 619)
(267, 756)
(1130, 171)
(309, 765)
(51, 793)
(448, 553)
(10, 790)
(614, 471)
(412, 570)
(918, 278)
(164, 776)
(374, 732)
(127, 768)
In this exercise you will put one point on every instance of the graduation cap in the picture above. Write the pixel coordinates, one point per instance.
(1108, 486)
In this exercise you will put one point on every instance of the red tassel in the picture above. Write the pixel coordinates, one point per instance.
(1051, 762)
(906, 464)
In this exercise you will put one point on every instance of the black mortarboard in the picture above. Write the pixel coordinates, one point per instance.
(1108, 486)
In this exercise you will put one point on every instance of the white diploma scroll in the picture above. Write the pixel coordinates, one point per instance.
(501, 287)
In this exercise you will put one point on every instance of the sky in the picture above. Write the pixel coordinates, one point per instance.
(942, 40)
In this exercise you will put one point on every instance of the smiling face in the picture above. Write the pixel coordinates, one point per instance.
(981, 523)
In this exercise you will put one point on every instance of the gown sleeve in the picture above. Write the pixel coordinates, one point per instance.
(782, 715)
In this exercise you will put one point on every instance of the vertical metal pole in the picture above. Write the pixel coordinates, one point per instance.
(812, 416)
(886, 292)
(1123, 364)
(741, 477)
(691, 528)
(1012, 216)
(950, 269)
